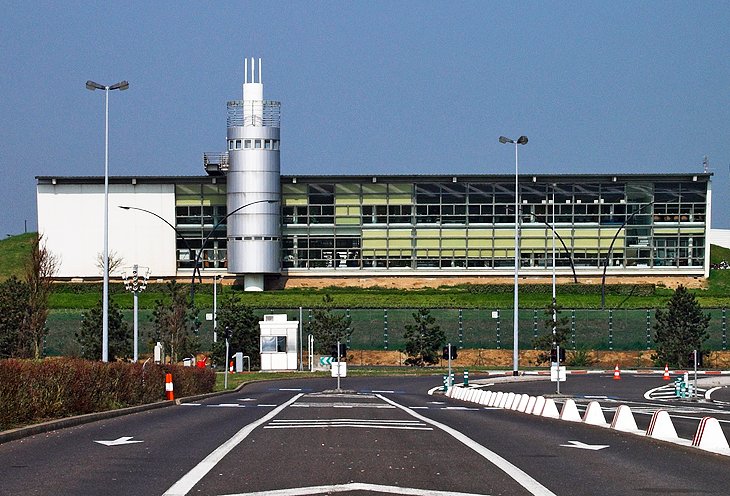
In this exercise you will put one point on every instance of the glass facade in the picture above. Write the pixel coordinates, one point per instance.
(443, 222)
(198, 208)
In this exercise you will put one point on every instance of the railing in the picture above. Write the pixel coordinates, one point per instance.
(215, 161)
(248, 113)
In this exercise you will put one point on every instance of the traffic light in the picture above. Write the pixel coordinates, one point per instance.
(692, 359)
(229, 333)
(341, 354)
(554, 355)
(445, 354)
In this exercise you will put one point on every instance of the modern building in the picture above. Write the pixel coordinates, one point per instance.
(274, 227)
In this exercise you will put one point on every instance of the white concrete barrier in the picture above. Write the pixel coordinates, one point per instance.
(594, 415)
(570, 411)
(516, 401)
(487, 397)
(530, 404)
(507, 400)
(539, 405)
(521, 404)
(710, 437)
(661, 427)
(550, 409)
(497, 399)
(623, 420)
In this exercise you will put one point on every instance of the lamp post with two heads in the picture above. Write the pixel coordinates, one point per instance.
(121, 86)
(522, 140)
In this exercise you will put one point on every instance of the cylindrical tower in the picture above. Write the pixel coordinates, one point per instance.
(254, 229)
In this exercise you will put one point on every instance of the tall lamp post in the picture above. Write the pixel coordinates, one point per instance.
(91, 85)
(522, 140)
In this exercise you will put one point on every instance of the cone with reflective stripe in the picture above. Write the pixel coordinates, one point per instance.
(169, 394)
(666, 373)
(616, 374)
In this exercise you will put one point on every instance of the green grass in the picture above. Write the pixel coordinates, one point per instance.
(14, 251)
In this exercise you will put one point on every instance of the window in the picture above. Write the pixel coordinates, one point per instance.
(273, 344)
(257, 143)
(238, 144)
(247, 143)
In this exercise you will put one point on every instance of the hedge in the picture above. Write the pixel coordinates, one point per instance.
(37, 390)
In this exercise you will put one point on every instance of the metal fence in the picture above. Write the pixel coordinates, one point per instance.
(383, 329)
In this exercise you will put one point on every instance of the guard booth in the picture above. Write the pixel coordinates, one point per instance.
(279, 344)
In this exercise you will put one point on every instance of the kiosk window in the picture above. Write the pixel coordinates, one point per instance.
(273, 344)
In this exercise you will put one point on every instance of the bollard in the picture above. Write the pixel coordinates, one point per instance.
(466, 378)
(446, 383)
(169, 394)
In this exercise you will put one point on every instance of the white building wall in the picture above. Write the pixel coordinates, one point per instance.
(71, 220)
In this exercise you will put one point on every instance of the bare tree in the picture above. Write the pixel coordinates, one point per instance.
(115, 261)
(40, 268)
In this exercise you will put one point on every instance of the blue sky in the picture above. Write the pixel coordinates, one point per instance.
(367, 87)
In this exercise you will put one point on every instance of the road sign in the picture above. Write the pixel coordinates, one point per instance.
(557, 374)
(326, 360)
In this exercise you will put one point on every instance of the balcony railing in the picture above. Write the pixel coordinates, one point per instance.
(248, 113)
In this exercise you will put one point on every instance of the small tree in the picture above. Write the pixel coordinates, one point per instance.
(327, 327)
(175, 321)
(244, 327)
(40, 268)
(679, 329)
(115, 261)
(546, 341)
(423, 339)
(90, 333)
(13, 312)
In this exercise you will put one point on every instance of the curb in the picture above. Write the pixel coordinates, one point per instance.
(52, 425)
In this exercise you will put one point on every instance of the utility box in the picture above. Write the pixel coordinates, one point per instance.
(238, 362)
(279, 342)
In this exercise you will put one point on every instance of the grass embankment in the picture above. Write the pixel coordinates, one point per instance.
(14, 251)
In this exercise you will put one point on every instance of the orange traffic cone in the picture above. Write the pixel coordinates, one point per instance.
(616, 374)
(230, 367)
(169, 394)
(666, 373)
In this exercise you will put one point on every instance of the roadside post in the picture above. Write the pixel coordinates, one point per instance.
(557, 372)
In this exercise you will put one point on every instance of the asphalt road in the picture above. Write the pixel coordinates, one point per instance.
(385, 435)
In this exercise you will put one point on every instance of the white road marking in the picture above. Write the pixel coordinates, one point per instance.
(317, 404)
(354, 423)
(355, 486)
(579, 445)
(188, 481)
(118, 442)
(290, 389)
(513, 471)
(266, 405)
(384, 391)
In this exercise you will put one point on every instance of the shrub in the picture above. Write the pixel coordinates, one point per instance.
(36, 390)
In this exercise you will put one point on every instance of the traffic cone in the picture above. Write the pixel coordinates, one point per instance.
(616, 374)
(230, 367)
(169, 394)
(666, 372)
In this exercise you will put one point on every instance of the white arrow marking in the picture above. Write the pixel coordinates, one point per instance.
(578, 444)
(117, 442)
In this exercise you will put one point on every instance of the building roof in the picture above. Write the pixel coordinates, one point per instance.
(291, 178)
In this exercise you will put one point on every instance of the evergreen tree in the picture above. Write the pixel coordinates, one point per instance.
(13, 312)
(90, 334)
(243, 325)
(327, 327)
(175, 322)
(546, 341)
(424, 339)
(679, 329)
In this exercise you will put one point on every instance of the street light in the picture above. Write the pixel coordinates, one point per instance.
(522, 140)
(205, 241)
(121, 86)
